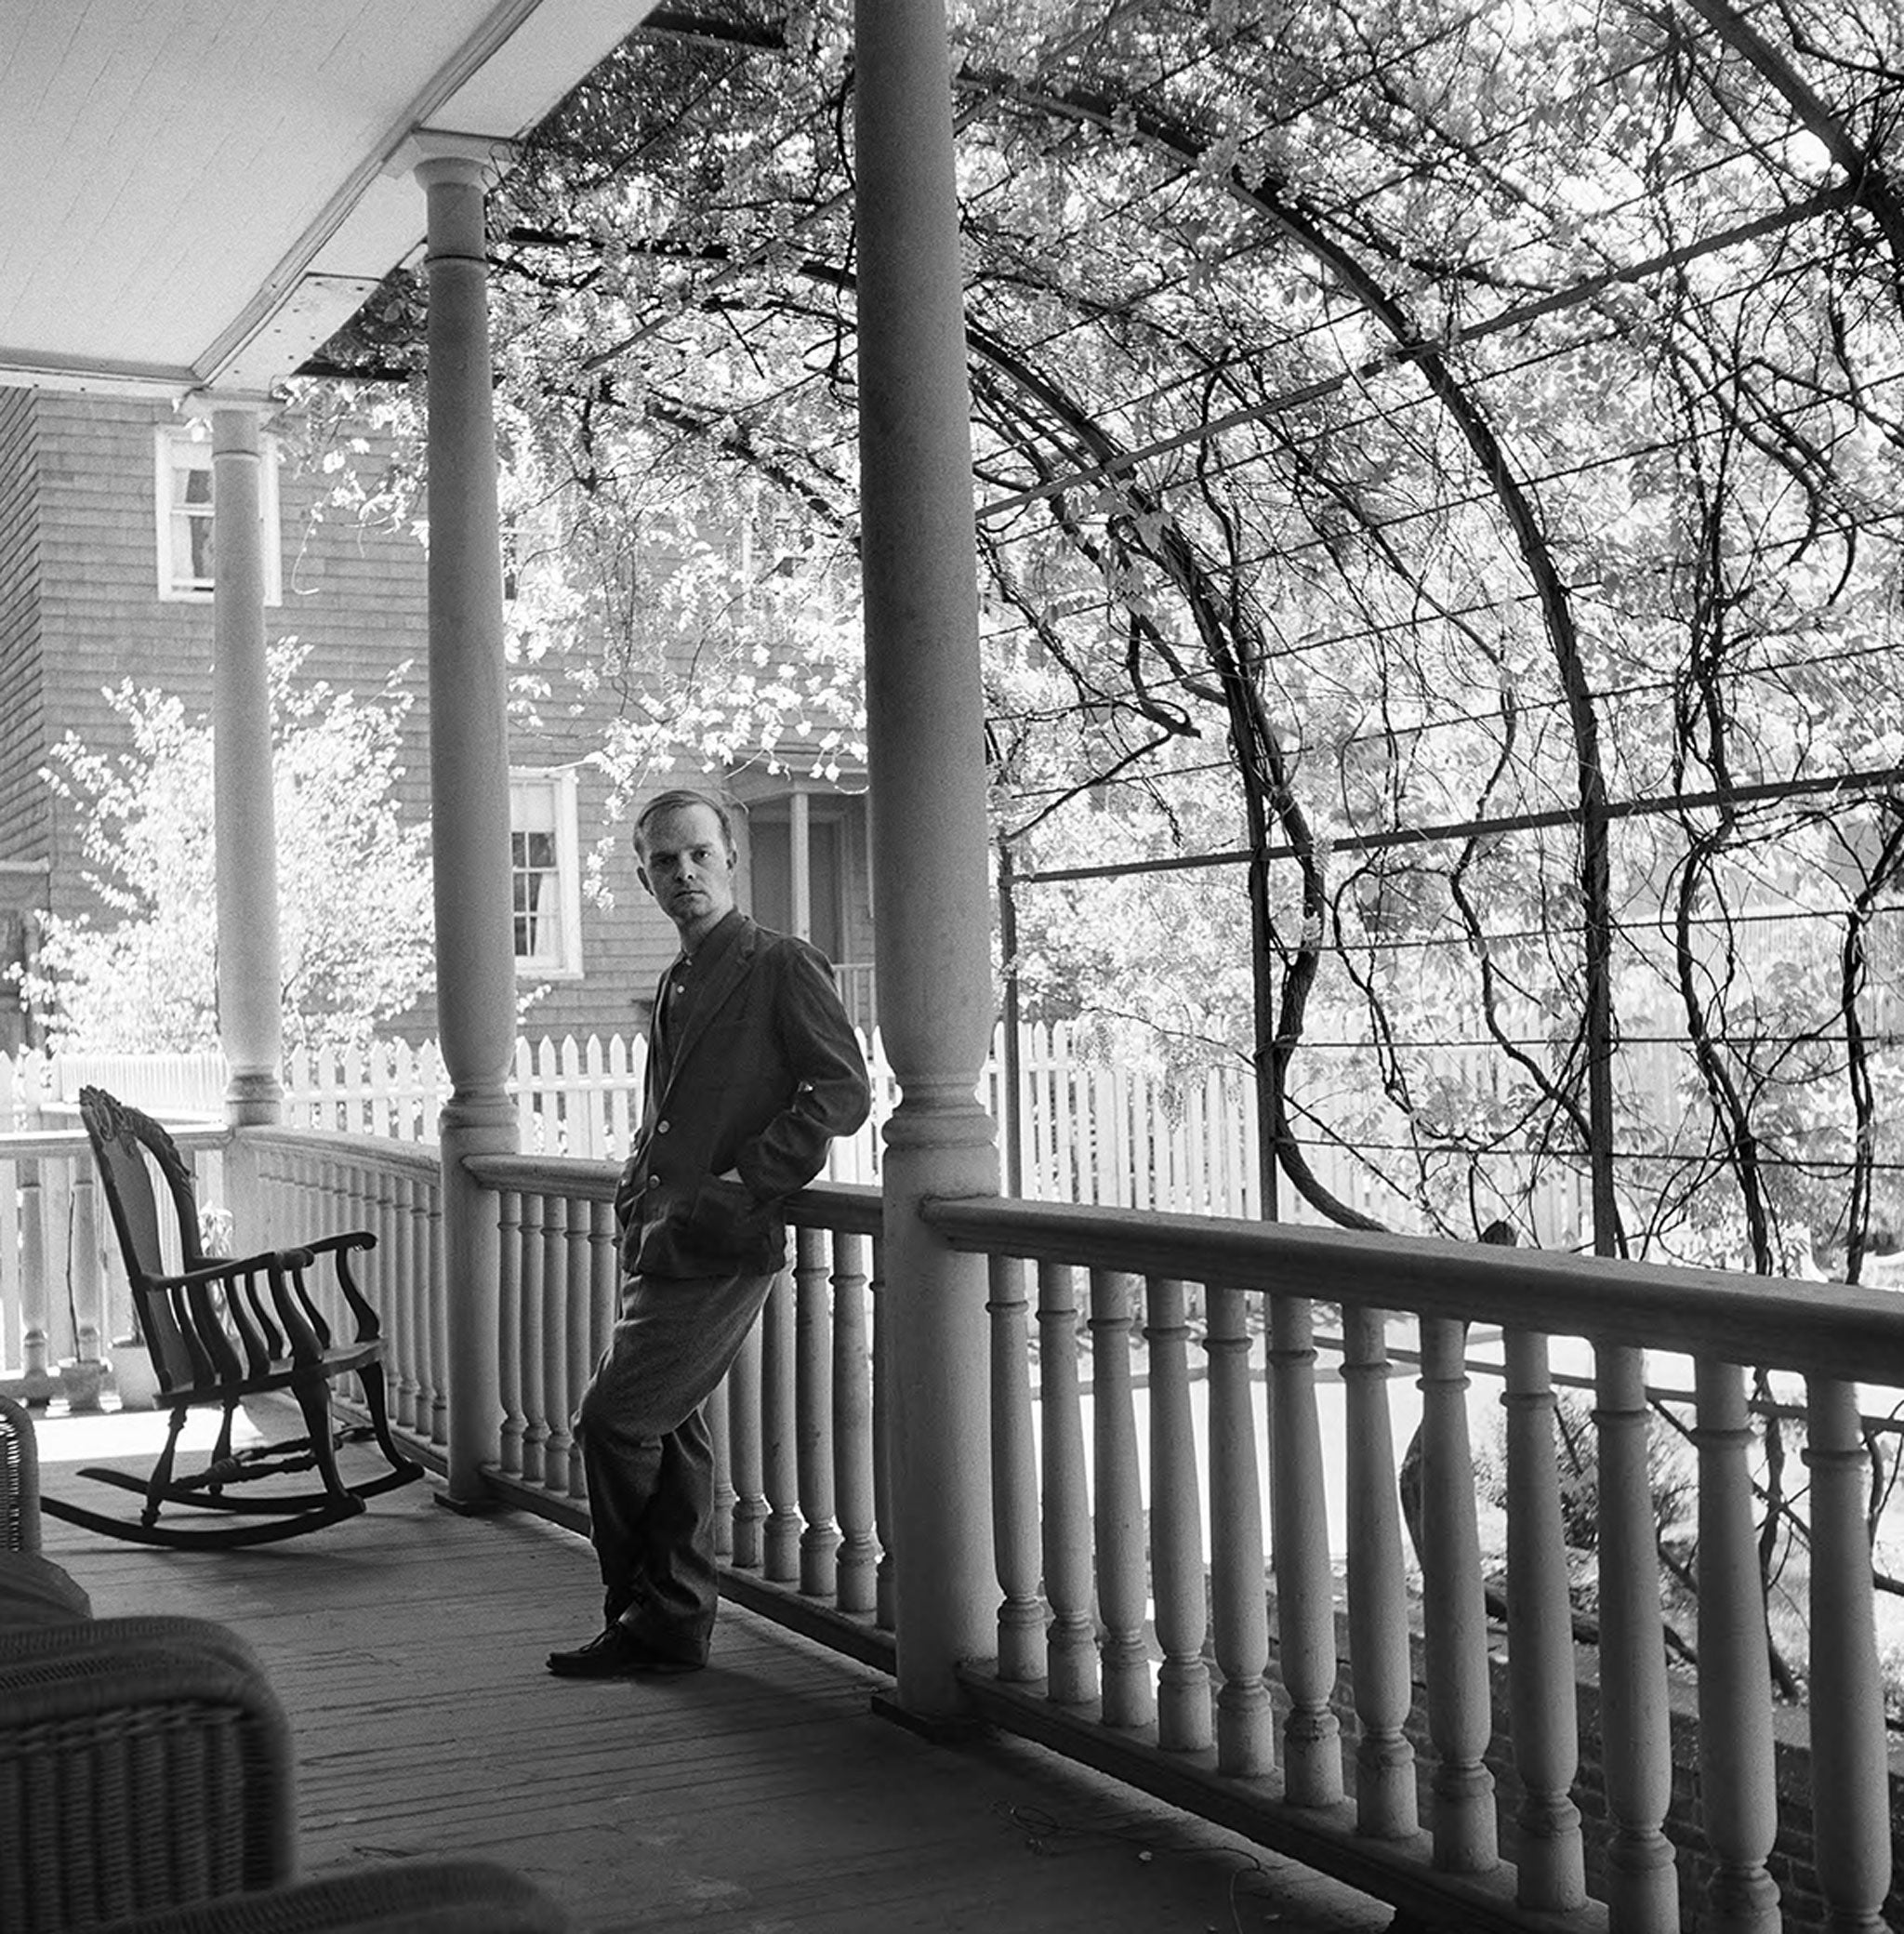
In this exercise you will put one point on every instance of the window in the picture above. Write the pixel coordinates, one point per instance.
(187, 546)
(545, 874)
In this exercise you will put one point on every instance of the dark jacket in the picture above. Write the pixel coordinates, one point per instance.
(765, 1073)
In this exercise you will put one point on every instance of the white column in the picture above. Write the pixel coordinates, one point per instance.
(469, 798)
(926, 738)
(244, 819)
(800, 861)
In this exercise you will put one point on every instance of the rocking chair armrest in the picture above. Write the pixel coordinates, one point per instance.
(278, 1267)
(221, 1267)
(338, 1244)
(338, 1248)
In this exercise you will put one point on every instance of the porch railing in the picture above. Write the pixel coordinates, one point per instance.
(63, 1299)
(291, 1185)
(1204, 1585)
(1204, 1569)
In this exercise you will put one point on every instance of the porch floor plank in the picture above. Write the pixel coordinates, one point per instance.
(760, 1796)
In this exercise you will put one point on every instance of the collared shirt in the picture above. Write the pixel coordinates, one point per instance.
(688, 976)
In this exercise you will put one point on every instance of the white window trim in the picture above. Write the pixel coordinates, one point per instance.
(559, 782)
(170, 437)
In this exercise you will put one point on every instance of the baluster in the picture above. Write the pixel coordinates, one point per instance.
(720, 1442)
(1304, 1588)
(1121, 1594)
(886, 1531)
(324, 1192)
(1176, 1527)
(531, 1318)
(1543, 1701)
(84, 1278)
(558, 1399)
(1850, 1774)
(605, 1282)
(1379, 1654)
(1240, 1611)
(1738, 1800)
(779, 1457)
(10, 1235)
(416, 1371)
(588, 1329)
(744, 1455)
(812, 1337)
(856, 1567)
(438, 1326)
(386, 1186)
(1071, 1645)
(423, 1302)
(1454, 1612)
(1015, 1475)
(1635, 1742)
(34, 1274)
(509, 1321)
(584, 1228)
(56, 1210)
(400, 1329)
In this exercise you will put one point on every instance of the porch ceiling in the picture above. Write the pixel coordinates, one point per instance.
(201, 196)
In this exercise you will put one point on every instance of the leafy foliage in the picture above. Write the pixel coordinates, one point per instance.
(354, 883)
(1446, 461)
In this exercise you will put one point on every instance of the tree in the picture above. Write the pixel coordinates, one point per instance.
(354, 882)
(1433, 454)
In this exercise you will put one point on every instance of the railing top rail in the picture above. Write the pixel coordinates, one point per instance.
(855, 1208)
(579, 1177)
(17, 1146)
(852, 1207)
(416, 1158)
(1829, 1330)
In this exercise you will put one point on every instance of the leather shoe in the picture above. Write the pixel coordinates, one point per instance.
(616, 1653)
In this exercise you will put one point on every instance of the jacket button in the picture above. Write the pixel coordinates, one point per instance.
(654, 1181)
(661, 1128)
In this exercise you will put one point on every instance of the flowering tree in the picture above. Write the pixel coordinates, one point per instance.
(354, 882)
(1444, 459)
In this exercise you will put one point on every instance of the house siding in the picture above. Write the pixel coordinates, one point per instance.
(81, 613)
(25, 831)
(23, 809)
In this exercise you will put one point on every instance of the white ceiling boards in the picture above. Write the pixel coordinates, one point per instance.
(199, 194)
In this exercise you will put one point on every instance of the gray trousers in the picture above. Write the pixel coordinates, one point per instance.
(649, 1458)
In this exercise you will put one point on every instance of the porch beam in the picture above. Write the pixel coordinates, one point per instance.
(470, 793)
(925, 744)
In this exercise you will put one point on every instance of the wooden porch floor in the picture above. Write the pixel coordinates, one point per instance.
(760, 1796)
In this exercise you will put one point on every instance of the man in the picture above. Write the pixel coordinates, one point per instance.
(753, 1067)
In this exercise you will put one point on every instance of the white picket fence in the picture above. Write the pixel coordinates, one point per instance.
(1089, 1130)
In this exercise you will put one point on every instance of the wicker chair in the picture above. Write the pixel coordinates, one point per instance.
(146, 1781)
(19, 1479)
(144, 1764)
(417, 1897)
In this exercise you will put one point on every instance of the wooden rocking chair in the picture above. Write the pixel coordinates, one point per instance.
(219, 1330)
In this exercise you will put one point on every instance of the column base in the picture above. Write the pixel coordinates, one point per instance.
(941, 1728)
(255, 1100)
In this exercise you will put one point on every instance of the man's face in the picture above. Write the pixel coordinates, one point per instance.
(688, 865)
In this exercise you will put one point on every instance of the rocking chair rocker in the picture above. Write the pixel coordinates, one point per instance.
(219, 1330)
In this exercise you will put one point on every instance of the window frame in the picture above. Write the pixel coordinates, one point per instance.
(558, 784)
(168, 440)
